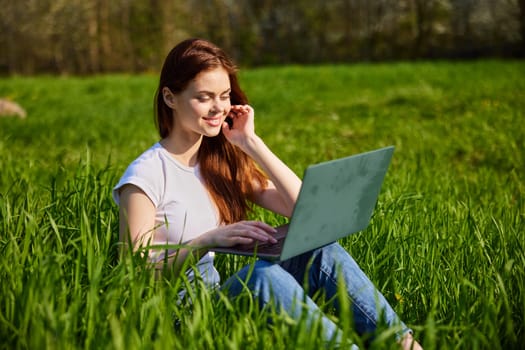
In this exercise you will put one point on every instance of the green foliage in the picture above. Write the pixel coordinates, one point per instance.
(445, 245)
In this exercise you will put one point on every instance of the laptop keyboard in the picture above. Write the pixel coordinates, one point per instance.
(262, 248)
(274, 248)
(267, 248)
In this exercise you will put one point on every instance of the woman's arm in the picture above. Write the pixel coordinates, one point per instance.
(284, 185)
(283, 188)
(137, 226)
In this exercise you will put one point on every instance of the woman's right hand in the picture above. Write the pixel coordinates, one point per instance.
(243, 232)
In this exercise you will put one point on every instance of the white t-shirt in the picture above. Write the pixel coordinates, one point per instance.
(184, 208)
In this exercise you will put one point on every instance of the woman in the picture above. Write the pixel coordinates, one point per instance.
(196, 184)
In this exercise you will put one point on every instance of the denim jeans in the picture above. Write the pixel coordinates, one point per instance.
(282, 284)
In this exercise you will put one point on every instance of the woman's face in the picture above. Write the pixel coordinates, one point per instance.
(202, 107)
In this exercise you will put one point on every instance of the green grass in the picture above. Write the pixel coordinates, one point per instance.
(446, 244)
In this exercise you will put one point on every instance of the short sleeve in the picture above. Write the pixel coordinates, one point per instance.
(145, 173)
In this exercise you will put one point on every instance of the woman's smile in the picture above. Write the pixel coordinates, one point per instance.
(214, 121)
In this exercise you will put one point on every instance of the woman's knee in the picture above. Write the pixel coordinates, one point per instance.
(252, 277)
(259, 272)
(335, 254)
(333, 248)
(264, 281)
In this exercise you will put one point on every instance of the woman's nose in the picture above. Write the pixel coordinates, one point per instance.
(220, 106)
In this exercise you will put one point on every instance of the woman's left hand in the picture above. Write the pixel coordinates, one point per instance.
(243, 126)
(283, 186)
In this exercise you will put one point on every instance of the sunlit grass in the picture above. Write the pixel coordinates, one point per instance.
(445, 245)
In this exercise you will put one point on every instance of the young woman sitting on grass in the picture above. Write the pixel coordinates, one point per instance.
(196, 186)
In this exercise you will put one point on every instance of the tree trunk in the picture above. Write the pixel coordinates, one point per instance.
(104, 35)
(521, 4)
(92, 9)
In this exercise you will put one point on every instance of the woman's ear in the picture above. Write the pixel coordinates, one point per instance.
(169, 97)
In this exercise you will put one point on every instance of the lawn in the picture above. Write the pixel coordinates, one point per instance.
(446, 244)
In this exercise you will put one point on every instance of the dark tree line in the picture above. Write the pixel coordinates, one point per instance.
(92, 36)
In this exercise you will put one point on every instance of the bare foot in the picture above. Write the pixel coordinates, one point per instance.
(408, 343)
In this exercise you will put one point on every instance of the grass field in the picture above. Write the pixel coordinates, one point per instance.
(446, 244)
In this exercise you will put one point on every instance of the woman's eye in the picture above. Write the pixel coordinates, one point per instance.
(203, 98)
(225, 97)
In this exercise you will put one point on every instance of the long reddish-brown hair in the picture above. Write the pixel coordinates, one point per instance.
(230, 176)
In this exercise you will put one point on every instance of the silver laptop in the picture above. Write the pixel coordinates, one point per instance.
(337, 198)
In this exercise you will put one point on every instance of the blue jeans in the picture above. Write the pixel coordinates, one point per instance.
(282, 284)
